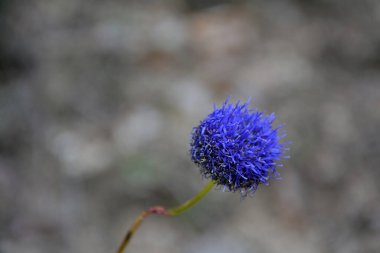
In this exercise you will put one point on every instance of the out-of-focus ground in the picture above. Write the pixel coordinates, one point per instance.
(98, 99)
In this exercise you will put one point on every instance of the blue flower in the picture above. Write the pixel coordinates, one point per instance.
(237, 147)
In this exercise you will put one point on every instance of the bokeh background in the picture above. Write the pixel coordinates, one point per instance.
(98, 99)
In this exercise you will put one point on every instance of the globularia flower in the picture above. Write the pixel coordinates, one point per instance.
(237, 147)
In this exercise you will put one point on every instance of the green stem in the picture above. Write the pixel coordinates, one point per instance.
(191, 202)
(162, 211)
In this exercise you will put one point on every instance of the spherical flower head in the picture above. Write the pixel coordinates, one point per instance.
(237, 147)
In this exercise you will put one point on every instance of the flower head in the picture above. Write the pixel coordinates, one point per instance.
(237, 147)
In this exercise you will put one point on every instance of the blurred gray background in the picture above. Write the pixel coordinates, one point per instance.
(98, 99)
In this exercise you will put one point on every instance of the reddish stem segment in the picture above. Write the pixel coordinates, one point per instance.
(163, 211)
(153, 210)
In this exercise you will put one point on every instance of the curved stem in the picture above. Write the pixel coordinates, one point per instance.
(137, 223)
(162, 211)
(191, 202)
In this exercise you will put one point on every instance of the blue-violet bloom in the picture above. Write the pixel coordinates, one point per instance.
(237, 147)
